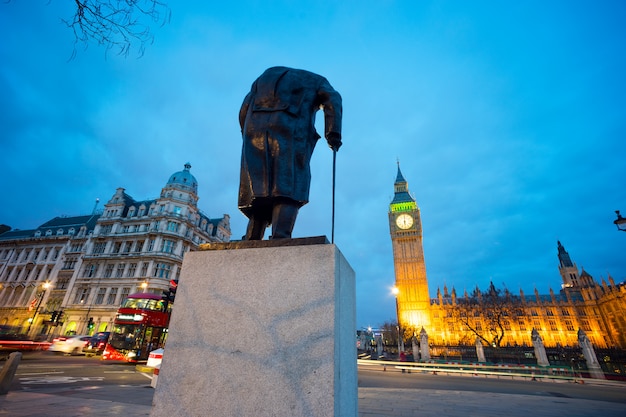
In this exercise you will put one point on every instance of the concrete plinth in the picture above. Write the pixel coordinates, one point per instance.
(266, 331)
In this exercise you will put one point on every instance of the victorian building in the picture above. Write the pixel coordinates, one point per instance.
(599, 309)
(84, 266)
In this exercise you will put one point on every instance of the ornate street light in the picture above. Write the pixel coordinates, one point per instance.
(40, 296)
(620, 222)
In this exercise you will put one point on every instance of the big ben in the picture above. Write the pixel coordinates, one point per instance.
(405, 225)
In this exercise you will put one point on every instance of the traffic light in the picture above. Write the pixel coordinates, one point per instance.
(53, 316)
(169, 294)
(173, 286)
(90, 324)
(59, 316)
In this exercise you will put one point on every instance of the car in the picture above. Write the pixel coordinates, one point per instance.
(96, 344)
(72, 345)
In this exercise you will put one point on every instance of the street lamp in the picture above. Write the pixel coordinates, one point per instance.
(620, 222)
(395, 290)
(45, 285)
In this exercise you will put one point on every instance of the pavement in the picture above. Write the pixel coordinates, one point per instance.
(135, 401)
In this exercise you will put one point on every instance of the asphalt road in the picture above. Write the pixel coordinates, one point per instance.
(392, 378)
(80, 376)
(76, 375)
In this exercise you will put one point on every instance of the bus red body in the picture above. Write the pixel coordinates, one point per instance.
(140, 327)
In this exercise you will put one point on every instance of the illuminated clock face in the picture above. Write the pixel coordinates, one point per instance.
(404, 221)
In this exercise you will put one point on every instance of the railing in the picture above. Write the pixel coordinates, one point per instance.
(497, 371)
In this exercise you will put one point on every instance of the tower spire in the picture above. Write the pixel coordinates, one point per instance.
(401, 196)
(564, 258)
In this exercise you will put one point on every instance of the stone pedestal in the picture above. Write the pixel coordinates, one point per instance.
(261, 331)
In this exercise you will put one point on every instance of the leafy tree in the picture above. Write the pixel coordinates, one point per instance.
(117, 24)
(485, 313)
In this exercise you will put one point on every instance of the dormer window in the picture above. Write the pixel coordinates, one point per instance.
(48, 232)
(59, 232)
(71, 231)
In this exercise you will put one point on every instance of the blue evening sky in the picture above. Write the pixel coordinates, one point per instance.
(508, 119)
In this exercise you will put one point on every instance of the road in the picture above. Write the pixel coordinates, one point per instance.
(78, 376)
(392, 378)
(81, 376)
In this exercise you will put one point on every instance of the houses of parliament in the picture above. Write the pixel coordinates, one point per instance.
(599, 309)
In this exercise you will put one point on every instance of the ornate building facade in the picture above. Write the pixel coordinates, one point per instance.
(84, 266)
(582, 303)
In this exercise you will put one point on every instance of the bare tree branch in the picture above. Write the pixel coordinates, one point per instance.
(485, 314)
(117, 24)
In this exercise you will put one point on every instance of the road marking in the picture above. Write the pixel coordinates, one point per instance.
(146, 375)
(39, 373)
(59, 380)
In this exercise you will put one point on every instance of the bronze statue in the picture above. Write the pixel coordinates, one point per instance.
(277, 121)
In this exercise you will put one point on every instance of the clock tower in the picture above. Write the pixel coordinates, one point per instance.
(405, 225)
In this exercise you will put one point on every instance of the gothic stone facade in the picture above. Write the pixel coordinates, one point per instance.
(582, 303)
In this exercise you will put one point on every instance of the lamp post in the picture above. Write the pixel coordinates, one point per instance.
(620, 222)
(40, 295)
(395, 290)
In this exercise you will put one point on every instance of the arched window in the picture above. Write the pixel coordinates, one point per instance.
(59, 232)
(70, 232)
(48, 232)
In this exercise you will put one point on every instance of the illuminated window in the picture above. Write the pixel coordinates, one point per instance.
(82, 294)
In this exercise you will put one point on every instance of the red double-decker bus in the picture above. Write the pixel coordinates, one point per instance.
(140, 327)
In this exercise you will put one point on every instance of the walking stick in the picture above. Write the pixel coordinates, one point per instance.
(332, 236)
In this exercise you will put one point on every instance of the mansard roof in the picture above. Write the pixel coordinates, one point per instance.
(62, 222)
(17, 234)
(76, 221)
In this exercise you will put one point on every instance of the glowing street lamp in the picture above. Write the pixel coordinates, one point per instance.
(620, 222)
(40, 296)
(395, 290)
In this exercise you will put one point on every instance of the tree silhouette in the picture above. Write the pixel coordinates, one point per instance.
(485, 313)
(117, 24)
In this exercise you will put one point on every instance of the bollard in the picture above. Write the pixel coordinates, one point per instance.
(8, 372)
(155, 376)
